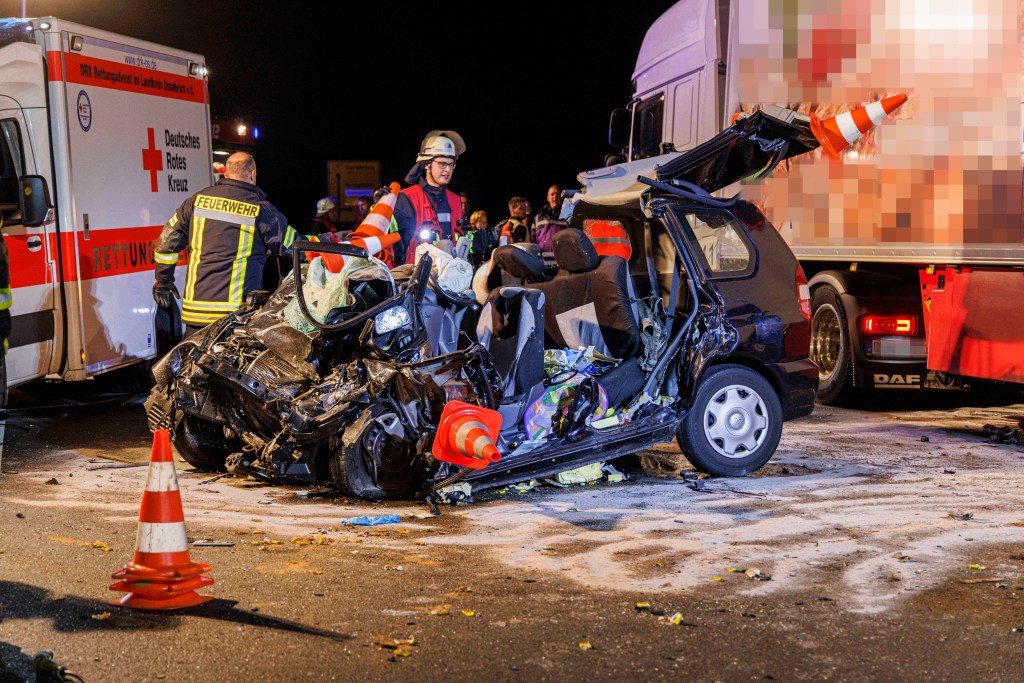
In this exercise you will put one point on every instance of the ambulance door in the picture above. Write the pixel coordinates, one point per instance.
(30, 252)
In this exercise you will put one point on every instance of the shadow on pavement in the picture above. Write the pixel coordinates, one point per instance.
(74, 614)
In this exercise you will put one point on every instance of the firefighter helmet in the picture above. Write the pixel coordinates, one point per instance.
(441, 143)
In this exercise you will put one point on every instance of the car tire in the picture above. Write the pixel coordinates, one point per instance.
(735, 423)
(201, 443)
(376, 464)
(830, 345)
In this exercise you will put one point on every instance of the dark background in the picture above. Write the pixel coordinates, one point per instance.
(528, 85)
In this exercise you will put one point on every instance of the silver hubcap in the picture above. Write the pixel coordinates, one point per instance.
(826, 341)
(736, 421)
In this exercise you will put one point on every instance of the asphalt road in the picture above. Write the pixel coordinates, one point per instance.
(893, 538)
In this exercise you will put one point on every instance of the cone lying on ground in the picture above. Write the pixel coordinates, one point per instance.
(372, 234)
(466, 435)
(841, 130)
(161, 575)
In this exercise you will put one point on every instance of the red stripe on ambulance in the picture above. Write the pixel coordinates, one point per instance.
(103, 73)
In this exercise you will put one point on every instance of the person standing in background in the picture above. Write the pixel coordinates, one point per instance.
(547, 222)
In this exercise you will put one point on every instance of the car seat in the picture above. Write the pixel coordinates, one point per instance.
(513, 265)
(590, 302)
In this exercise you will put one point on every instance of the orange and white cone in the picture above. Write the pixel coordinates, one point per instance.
(839, 131)
(372, 234)
(466, 435)
(161, 575)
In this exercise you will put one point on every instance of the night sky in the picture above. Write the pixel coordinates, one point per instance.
(528, 85)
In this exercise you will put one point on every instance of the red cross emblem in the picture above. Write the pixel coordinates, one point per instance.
(152, 160)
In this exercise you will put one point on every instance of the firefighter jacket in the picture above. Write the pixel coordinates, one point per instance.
(425, 206)
(228, 229)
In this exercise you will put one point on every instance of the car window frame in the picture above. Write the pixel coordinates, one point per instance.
(696, 251)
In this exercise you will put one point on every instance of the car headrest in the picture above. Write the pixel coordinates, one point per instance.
(518, 262)
(574, 251)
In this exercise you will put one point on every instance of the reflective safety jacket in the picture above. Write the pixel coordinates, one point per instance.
(428, 215)
(228, 229)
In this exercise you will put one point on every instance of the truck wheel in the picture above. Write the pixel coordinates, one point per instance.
(201, 443)
(376, 464)
(830, 345)
(734, 425)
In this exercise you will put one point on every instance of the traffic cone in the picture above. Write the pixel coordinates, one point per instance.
(372, 234)
(466, 435)
(161, 575)
(839, 131)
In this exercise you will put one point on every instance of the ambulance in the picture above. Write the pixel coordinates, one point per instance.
(102, 136)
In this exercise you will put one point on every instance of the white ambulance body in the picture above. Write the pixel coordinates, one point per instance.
(119, 130)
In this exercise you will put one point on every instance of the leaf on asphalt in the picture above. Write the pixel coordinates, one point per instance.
(901, 557)
(399, 652)
(584, 645)
(976, 566)
(732, 570)
(316, 571)
(674, 620)
(100, 545)
(101, 616)
(468, 613)
(311, 539)
(717, 578)
(266, 542)
(393, 568)
(961, 515)
(464, 589)
(439, 611)
(395, 643)
(643, 605)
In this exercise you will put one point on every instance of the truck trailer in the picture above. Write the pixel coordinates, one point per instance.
(109, 134)
(913, 243)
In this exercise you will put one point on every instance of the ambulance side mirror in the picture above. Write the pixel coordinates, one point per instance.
(34, 199)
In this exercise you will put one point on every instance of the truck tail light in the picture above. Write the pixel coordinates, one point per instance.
(803, 293)
(902, 325)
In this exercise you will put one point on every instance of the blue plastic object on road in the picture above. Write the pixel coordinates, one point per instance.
(371, 521)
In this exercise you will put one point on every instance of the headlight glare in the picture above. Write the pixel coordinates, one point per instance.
(391, 319)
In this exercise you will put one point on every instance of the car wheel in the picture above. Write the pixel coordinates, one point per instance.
(201, 443)
(830, 345)
(376, 464)
(735, 423)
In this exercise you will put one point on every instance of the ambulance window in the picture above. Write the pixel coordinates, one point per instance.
(722, 247)
(12, 164)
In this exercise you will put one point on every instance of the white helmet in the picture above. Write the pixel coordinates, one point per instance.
(325, 205)
(441, 143)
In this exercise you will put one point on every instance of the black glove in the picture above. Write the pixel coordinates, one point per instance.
(162, 295)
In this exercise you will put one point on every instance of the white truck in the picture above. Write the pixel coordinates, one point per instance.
(914, 244)
(117, 132)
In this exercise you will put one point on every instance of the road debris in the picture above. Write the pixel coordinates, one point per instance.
(209, 543)
(584, 645)
(961, 515)
(371, 521)
(1005, 434)
(973, 581)
(755, 574)
(101, 616)
(52, 481)
(468, 613)
(643, 605)
(100, 545)
(675, 619)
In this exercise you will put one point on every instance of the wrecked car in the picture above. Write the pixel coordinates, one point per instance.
(674, 314)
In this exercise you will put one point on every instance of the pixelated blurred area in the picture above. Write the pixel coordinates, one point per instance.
(950, 169)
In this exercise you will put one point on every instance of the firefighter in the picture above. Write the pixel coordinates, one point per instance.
(427, 210)
(229, 230)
